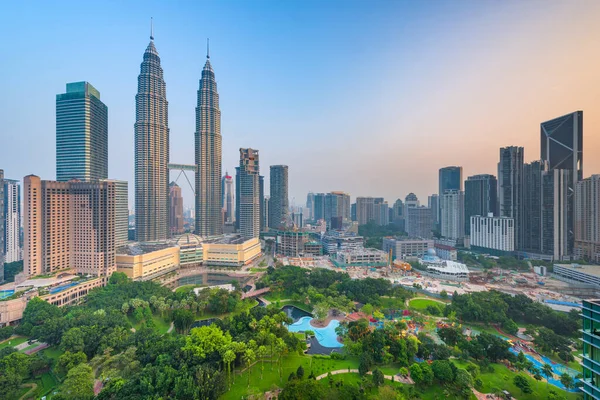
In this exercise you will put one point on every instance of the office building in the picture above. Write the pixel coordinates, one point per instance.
(562, 144)
(365, 209)
(12, 220)
(453, 215)
(151, 150)
(175, 210)
(2, 226)
(419, 222)
(558, 214)
(481, 197)
(404, 248)
(319, 206)
(336, 205)
(510, 189)
(410, 201)
(121, 211)
(381, 213)
(208, 156)
(397, 210)
(353, 212)
(433, 202)
(336, 241)
(227, 200)
(142, 262)
(69, 226)
(587, 219)
(310, 204)
(449, 178)
(532, 206)
(81, 134)
(278, 199)
(249, 196)
(265, 213)
(492, 235)
(590, 357)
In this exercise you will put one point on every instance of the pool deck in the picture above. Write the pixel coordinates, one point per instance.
(316, 348)
(326, 321)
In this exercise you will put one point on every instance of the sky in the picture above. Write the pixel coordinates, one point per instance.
(366, 97)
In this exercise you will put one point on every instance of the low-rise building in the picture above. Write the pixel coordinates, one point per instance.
(588, 274)
(190, 250)
(339, 241)
(313, 248)
(141, 261)
(443, 269)
(70, 293)
(361, 257)
(446, 252)
(230, 251)
(404, 248)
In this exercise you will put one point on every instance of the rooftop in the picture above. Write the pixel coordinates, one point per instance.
(137, 249)
(593, 270)
(225, 239)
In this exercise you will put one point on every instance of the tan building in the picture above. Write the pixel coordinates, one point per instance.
(70, 293)
(147, 261)
(69, 225)
(175, 209)
(230, 251)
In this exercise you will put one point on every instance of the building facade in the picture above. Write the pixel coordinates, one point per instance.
(558, 214)
(175, 210)
(142, 262)
(510, 189)
(366, 209)
(433, 202)
(587, 219)
(227, 200)
(532, 205)
(12, 220)
(69, 225)
(249, 193)
(407, 248)
(453, 215)
(278, 200)
(562, 144)
(590, 357)
(481, 197)
(310, 204)
(419, 222)
(449, 178)
(2, 226)
(151, 150)
(81, 134)
(492, 234)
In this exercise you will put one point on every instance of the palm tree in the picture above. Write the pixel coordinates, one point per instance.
(261, 352)
(249, 356)
(281, 348)
(228, 358)
(547, 371)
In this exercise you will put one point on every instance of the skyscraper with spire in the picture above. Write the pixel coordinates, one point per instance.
(208, 155)
(151, 150)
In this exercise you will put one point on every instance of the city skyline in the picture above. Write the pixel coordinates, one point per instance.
(525, 102)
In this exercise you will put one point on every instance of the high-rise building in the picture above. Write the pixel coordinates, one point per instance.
(587, 219)
(151, 150)
(81, 134)
(208, 155)
(2, 225)
(433, 202)
(249, 196)
(453, 215)
(410, 201)
(278, 201)
(337, 205)
(450, 178)
(381, 213)
(492, 234)
(121, 211)
(365, 209)
(264, 204)
(532, 206)
(562, 144)
(590, 311)
(175, 209)
(353, 211)
(319, 206)
(481, 197)
(510, 189)
(398, 209)
(12, 218)
(419, 222)
(310, 204)
(69, 225)
(237, 199)
(227, 201)
(557, 214)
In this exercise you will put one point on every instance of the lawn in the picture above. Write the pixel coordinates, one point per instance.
(160, 324)
(502, 378)
(186, 288)
(306, 307)
(392, 302)
(422, 304)
(52, 352)
(256, 269)
(46, 384)
(290, 363)
(13, 342)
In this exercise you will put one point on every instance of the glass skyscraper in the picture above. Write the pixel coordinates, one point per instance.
(81, 134)
(278, 201)
(510, 189)
(208, 155)
(249, 193)
(151, 150)
(481, 197)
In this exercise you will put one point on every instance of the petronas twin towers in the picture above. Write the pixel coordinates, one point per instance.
(152, 153)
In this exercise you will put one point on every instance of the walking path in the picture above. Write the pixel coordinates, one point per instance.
(171, 327)
(267, 302)
(395, 378)
(33, 387)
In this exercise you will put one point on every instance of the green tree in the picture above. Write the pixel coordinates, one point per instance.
(567, 380)
(442, 371)
(39, 311)
(522, 383)
(249, 357)
(228, 358)
(510, 326)
(13, 368)
(367, 309)
(72, 340)
(547, 371)
(416, 373)
(118, 278)
(207, 340)
(378, 377)
(261, 353)
(69, 360)
(183, 321)
(444, 294)
(79, 384)
(427, 373)
(300, 372)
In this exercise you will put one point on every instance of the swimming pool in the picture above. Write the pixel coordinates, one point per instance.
(63, 287)
(557, 369)
(326, 336)
(6, 293)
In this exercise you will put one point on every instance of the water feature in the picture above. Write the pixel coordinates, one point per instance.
(6, 293)
(295, 313)
(327, 337)
(557, 369)
(62, 287)
(204, 322)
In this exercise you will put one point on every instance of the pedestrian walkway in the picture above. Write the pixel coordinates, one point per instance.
(395, 378)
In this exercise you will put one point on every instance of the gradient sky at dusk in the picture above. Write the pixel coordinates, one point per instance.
(367, 97)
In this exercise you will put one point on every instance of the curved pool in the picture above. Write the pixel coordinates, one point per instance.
(325, 336)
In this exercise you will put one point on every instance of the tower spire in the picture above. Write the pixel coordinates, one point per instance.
(151, 29)
(207, 48)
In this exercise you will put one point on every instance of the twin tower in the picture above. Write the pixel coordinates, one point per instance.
(152, 152)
